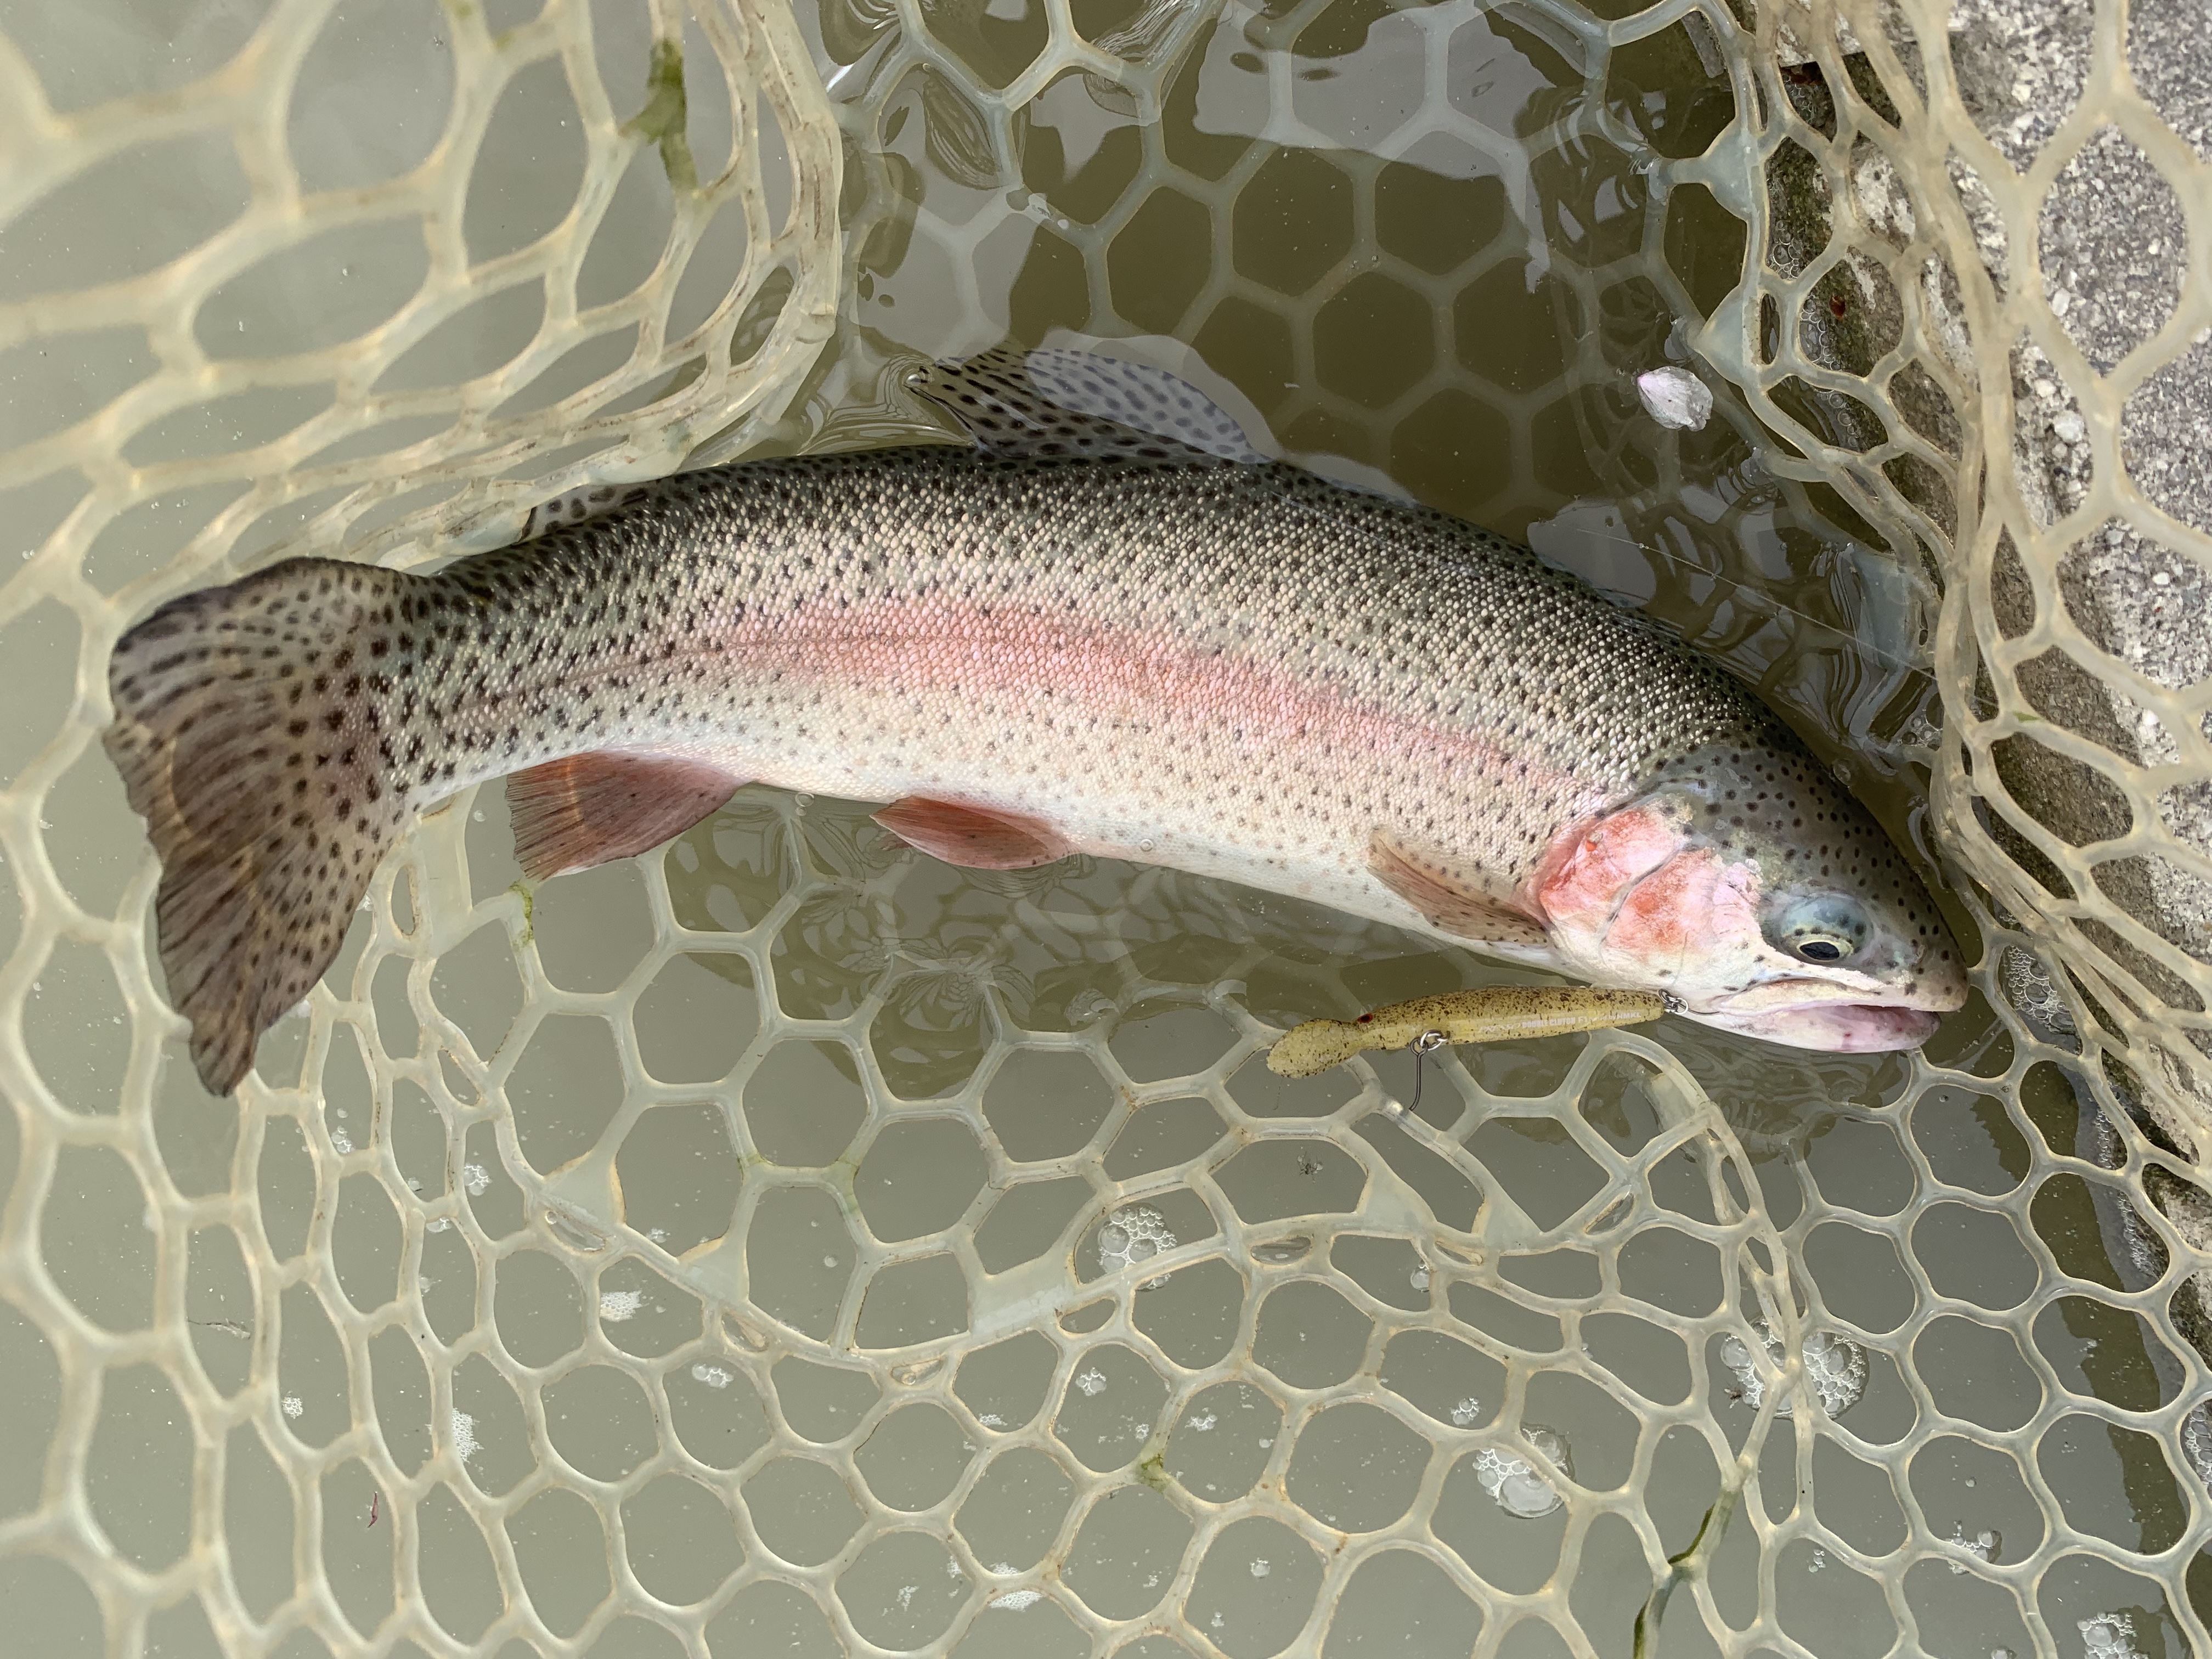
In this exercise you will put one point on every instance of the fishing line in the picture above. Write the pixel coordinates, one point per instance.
(1755, 598)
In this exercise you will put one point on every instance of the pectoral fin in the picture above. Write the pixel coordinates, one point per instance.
(971, 836)
(593, 809)
(1449, 897)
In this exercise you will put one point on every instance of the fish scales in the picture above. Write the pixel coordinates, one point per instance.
(736, 602)
(1144, 651)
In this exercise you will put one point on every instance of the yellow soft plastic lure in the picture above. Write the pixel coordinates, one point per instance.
(1488, 1013)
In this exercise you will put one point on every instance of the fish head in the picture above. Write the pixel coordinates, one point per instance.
(1744, 881)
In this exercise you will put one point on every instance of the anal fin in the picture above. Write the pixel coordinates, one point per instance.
(1450, 898)
(591, 808)
(973, 837)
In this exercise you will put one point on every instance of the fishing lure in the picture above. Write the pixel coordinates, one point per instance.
(1488, 1013)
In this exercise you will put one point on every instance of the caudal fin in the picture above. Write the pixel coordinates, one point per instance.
(248, 732)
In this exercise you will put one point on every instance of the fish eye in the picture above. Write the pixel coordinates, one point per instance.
(1821, 927)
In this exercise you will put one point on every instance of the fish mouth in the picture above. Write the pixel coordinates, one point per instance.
(1835, 1027)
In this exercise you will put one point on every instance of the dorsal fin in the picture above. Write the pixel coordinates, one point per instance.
(1057, 402)
(575, 506)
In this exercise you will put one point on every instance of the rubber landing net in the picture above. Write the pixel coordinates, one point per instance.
(778, 1244)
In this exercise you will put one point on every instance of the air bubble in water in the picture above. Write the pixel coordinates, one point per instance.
(1983, 1545)
(462, 1429)
(1515, 1483)
(2110, 1635)
(2196, 1439)
(2036, 998)
(1088, 1006)
(712, 1376)
(1134, 1233)
(1278, 1251)
(1835, 1369)
(616, 1306)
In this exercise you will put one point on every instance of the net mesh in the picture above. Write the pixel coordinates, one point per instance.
(782, 1244)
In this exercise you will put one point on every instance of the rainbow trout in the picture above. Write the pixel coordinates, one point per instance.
(1109, 627)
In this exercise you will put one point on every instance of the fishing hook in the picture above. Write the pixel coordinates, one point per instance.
(1427, 1043)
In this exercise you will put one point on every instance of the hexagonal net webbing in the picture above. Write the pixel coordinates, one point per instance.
(782, 1242)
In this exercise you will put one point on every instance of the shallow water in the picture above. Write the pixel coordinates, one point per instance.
(1444, 284)
(1418, 249)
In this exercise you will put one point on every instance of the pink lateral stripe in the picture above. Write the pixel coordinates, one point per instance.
(933, 647)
